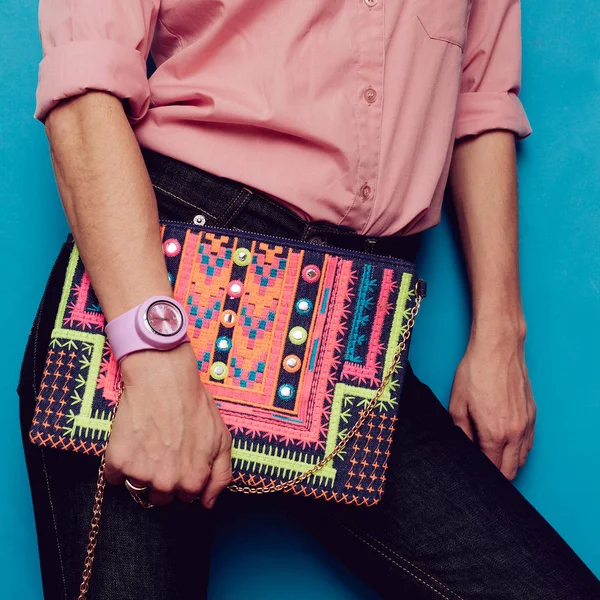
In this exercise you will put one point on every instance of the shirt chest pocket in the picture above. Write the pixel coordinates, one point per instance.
(445, 20)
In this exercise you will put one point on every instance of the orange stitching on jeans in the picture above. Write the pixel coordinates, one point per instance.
(238, 203)
(404, 568)
(198, 208)
(410, 563)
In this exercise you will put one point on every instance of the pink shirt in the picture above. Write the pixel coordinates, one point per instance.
(346, 110)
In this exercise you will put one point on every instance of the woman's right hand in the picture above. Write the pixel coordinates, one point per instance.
(167, 432)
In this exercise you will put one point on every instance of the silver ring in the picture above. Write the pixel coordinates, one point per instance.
(134, 489)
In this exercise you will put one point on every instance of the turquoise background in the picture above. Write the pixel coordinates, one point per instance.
(560, 234)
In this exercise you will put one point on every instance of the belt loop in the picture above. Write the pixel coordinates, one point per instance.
(235, 207)
(370, 245)
(308, 228)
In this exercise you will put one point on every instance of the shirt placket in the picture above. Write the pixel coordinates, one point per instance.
(370, 45)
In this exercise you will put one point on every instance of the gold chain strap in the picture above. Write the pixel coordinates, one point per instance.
(84, 586)
(93, 535)
(364, 415)
(271, 487)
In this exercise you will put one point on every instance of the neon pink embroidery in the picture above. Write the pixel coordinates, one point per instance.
(78, 315)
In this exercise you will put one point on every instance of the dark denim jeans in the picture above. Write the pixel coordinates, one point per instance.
(450, 526)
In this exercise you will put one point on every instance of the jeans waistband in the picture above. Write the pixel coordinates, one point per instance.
(187, 193)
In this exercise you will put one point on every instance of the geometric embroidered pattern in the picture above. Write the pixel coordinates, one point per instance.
(291, 338)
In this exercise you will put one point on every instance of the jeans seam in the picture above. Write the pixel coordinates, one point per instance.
(390, 559)
(410, 563)
(235, 207)
(55, 524)
(198, 208)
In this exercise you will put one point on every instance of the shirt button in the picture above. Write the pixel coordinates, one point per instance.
(366, 191)
(370, 95)
(370, 2)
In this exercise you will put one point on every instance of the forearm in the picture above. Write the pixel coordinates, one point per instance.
(483, 179)
(108, 199)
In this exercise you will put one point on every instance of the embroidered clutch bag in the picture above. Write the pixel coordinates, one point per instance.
(302, 346)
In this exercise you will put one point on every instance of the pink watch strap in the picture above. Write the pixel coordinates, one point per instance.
(128, 332)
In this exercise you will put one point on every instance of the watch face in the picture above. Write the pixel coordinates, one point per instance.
(164, 318)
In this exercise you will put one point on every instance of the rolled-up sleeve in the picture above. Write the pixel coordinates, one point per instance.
(95, 45)
(491, 79)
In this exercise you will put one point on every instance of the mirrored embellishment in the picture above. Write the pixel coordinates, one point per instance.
(228, 318)
(286, 391)
(171, 247)
(291, 363)
(235, 288)
(311, 273)
(218, 370)
(199, 220)
(303, 306)
(242, 257)
(298, 335)
(223, 344)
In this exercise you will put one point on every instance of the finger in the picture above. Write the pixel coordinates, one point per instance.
(112, 473)
(114, 476)
(461, 417)
(524, 449)
(493, 450)
(161, 492)
(187, 498)
(530, 438)
(464, 422)
(510, 459)
(190, 489)
(160, 498)
(218, 479)
(526, 445)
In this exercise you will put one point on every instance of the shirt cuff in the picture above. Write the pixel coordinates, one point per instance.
(484, 111)
(79, 66)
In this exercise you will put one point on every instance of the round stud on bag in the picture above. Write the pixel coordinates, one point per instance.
(223, 344)
(171, 247)
(286, 391)
(235, 288)
(292, 363)
(228, 318)
(304, 306)
(311, 273)
(298, 335)
(218, 370)
(242, 257)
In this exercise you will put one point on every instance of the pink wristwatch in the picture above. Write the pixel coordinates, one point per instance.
(159, 323)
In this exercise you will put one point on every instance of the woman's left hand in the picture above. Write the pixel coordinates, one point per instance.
(493, 403)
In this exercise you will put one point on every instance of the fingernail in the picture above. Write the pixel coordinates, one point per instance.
(211, 503)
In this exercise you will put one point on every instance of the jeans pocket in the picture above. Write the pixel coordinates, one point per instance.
(445, 20)
(172, 207)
